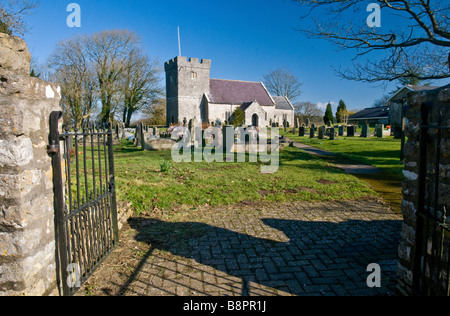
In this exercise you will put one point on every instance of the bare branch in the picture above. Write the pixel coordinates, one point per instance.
(427, 34)
(12, 13)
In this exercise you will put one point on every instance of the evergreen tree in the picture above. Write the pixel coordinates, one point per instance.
(328, 115)
(342, 107)
(238, 117)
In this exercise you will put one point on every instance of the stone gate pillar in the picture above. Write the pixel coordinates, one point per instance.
(27, 243)
(423, 165)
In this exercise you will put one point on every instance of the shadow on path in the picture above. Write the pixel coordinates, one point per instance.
(317, 258)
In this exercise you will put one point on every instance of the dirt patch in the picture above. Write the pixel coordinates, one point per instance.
(266, 192)
(323, 181)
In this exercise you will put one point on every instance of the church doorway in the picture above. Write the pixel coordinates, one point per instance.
(255, 120)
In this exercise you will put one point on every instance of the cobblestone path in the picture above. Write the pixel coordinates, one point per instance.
(251, 250)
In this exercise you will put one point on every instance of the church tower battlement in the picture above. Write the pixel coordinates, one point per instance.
(187, 81)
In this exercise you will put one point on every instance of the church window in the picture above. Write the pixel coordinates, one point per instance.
(194, 75)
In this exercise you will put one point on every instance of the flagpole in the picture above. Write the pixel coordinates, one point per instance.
(179, 42)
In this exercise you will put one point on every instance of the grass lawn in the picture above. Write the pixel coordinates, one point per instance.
(383, 153)
(188, 185)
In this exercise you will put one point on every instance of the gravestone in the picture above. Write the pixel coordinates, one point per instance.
(322, 130)
(312, 133)
(332, 133)
(155, 132)
(379, 130)
(301, 131)
(308, 122)
(341, 130)
(365, 131)
(351, 131)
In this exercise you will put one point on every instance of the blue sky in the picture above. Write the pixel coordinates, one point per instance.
(244, 39)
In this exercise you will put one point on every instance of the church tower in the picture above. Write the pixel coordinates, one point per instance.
(187, 81)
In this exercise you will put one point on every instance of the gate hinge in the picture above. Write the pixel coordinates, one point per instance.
(52, 149)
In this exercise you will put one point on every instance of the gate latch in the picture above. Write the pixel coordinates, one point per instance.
(52, 149)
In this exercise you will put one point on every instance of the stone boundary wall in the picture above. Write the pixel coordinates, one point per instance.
(27, 242)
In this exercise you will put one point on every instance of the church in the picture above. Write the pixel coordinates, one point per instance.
(192, 94)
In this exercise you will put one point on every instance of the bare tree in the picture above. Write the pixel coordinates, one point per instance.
(415, 49)
(282, 82)
(156, 112)
(12, 14)
(140, 84)
(107, 70)
(108, 52)
(76, 77)
(307, 110)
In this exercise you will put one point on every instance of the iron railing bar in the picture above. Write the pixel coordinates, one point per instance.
(77, 169)
(103, 224)
(99, 162)
(106, 161)
(89, 234)
(98, 227)
(81, 256)
(107, 206)
(112, 186)
(93, 160)
(68, 174)
(95, 229)
(86, 211)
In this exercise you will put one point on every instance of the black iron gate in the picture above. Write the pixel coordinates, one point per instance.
(431, 275)
(85, 200)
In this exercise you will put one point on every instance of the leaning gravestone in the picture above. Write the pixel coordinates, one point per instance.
(308, 122)
(312, 133)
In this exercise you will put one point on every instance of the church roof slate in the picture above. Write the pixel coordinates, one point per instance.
(282, 103)
(238, 92)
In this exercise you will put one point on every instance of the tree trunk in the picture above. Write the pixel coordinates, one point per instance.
(129, 114)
